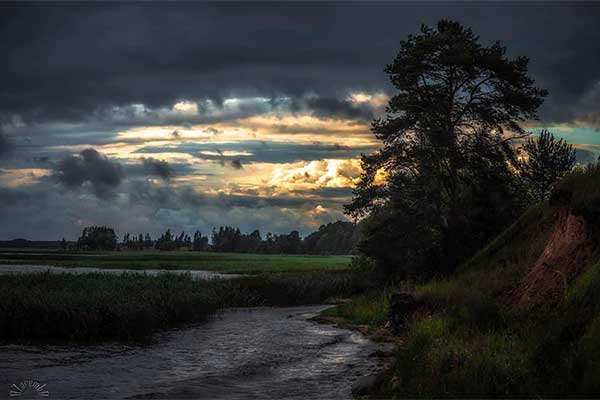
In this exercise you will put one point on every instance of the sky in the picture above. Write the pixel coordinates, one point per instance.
(148, 116)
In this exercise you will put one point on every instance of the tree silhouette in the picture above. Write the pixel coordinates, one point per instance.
(544, 161)
(445, 148)
(97, 238)
(148, 243)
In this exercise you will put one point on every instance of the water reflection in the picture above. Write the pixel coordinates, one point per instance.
(269, 353)
(29, 268)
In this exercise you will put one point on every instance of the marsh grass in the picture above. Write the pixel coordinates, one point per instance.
(370, 308)
(207, 261)
(93, 307)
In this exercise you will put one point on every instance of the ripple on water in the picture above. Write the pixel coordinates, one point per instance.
(269, 353)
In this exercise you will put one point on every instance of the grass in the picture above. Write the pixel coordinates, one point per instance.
(93, 307)
(467, 343)
(370, 308)
(219, 262)
(439, 360)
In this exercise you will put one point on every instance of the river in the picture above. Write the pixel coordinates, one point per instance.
(265, 353)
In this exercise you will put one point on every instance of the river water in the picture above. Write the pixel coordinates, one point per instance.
(29, 268)
(265, 353)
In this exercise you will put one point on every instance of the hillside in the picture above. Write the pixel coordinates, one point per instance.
(520, 319)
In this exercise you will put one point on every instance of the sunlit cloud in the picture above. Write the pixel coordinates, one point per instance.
(226, 153)
(380, 177)
(317, 174)
(186, 107)
(376, 100)
(296, 128)
(23, 176)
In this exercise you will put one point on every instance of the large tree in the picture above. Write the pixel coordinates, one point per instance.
(446, 148)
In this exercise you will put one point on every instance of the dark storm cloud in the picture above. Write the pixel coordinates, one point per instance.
(584, 156)
(219, 50)
(6, 145)
(172, 197)
(237, 163)
(151, 167)
(341, 108)
(9, 197)
(89, 167)
(75, 74)
(38, 211)
(159, 168)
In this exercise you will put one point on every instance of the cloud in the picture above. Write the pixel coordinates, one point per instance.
(6, 145)
(13, 196)
(289, 111)
(237, 164)
(317, 174)
(253, 151)
(160, 67)
(587, 111)
(331, 107)
(585, 156)
(89, 166)
(159, 168)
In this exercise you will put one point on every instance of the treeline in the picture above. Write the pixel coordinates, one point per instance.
(334, 238)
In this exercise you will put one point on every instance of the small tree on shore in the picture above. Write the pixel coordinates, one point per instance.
(544, 160)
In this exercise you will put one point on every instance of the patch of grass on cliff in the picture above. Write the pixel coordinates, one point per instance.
(584, 292)
(582, 186)
(464, 345)
(441, 359)
(467, 345)
(208, 261)
(369, 309)
(92, 307)
(468, 342)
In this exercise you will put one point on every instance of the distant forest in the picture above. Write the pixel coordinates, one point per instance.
(334, 238)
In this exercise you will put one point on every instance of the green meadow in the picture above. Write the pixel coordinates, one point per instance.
(238, 263)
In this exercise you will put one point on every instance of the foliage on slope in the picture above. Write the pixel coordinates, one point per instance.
(476, 337)
(486, 339)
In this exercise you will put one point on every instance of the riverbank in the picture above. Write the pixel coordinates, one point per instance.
(521, 319)
(96, 307)
(365, 312)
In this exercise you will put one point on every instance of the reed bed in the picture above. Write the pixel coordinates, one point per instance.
(94, 307)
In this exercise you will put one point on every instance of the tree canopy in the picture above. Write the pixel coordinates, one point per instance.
(544, 160)
(446, 152)
(97, 238)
